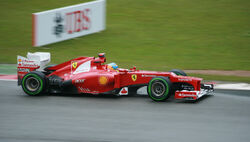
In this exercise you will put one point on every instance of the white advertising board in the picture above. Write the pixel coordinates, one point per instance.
(68, 22)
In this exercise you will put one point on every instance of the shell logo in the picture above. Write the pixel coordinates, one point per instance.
(103, 80)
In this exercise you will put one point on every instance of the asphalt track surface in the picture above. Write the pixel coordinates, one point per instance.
(224, 117)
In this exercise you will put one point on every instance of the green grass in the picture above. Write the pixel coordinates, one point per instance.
(151, 34)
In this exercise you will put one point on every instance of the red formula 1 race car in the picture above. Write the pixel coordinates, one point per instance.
(91, 75)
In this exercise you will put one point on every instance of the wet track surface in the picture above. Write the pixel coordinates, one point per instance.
(77, 118)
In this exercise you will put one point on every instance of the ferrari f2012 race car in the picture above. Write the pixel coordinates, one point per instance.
(90, 75)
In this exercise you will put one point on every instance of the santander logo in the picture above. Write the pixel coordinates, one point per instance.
(124, 91)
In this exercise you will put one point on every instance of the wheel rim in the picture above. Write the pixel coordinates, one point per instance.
(32, 84)
(158, 89)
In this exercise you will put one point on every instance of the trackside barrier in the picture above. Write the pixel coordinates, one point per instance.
(68, 22)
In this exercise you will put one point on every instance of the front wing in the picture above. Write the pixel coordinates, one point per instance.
(206, 89)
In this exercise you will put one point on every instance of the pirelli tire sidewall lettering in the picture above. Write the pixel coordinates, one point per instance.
(167, 90)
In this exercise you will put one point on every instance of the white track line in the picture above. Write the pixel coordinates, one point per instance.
(233, 86)
(8, 80)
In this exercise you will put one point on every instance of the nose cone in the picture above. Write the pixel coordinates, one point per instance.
(188, 78)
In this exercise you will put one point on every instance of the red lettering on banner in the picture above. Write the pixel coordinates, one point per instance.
(69, 22)
(86, 24)
(78, 21)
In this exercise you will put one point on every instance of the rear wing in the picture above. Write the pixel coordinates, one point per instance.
(33, 61)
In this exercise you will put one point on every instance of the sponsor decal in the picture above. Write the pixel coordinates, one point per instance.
(124, 91)
(23, 70)
(184, 79)
(27, 63)
(79, 80)
(148, 75)
(84, 89)
(103, 80)
(134, 77)
(187, 95)
(74, 65)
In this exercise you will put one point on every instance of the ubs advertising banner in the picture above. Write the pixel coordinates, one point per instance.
(68, 22)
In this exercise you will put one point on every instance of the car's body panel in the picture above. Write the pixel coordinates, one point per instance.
(91, 75)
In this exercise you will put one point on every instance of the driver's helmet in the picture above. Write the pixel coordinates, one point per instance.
(112, 66)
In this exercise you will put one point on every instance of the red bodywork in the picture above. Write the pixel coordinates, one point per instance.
(91, 75)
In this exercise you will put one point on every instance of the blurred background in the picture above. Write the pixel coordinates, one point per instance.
(150, 34)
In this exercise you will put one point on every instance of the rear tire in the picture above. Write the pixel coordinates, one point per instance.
(178, 72)
(159, 88)
(34, 83)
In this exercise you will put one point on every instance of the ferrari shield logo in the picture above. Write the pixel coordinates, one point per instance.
(134, 77)
(74, 65)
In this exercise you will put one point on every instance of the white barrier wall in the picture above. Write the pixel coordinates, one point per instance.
(68, 22)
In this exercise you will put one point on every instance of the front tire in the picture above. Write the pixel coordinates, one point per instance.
(34, 83)
(159, 88)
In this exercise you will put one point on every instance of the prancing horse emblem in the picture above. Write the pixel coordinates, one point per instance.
(74, 65)
(134, 77)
